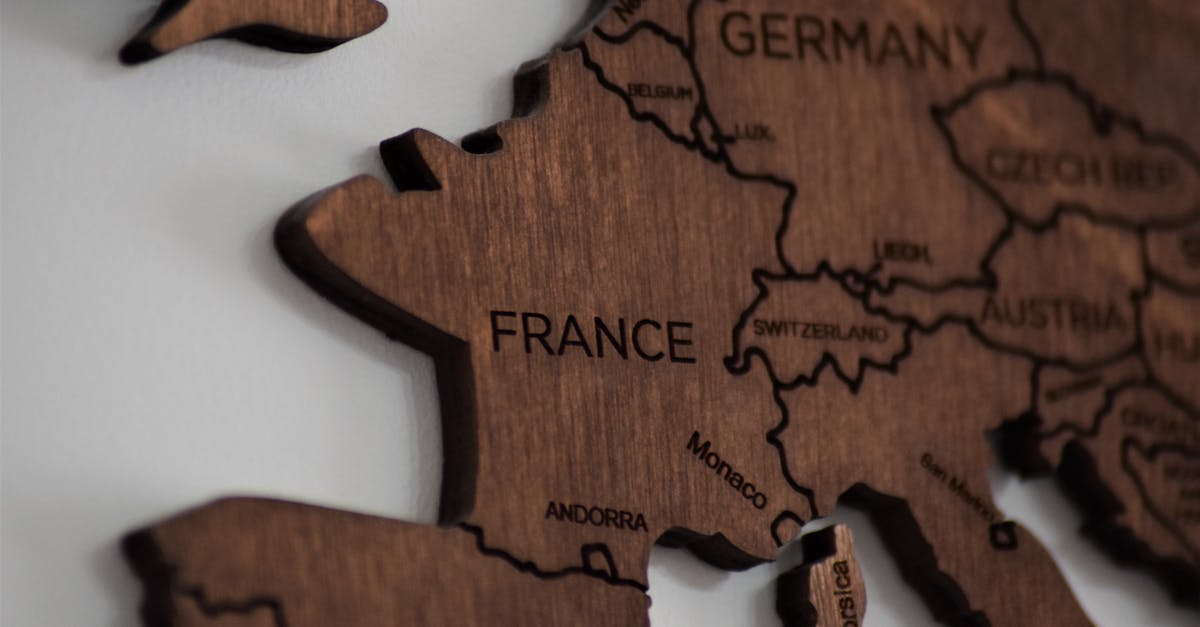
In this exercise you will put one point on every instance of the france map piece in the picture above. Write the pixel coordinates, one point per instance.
(578, 323)
(739, 261)
(360, 243)
(288, 25)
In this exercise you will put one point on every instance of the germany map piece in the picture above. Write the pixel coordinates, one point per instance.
(737, 262)
(288, 25)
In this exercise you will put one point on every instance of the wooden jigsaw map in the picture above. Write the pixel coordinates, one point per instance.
(730, 264)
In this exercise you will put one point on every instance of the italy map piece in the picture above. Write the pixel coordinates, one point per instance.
(287, 25)
(747, 259)
(584, 318)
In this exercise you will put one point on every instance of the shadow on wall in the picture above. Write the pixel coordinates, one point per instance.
(1042, 508)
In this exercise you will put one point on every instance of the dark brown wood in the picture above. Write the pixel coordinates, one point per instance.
(288, 25)
(827, 590)
(625, 267)
(265, 563)
(735, 262)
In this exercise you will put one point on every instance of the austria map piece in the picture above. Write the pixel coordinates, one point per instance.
(288, 25)
(737, 262)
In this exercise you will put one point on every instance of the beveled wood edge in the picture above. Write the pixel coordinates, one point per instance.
(140, 48)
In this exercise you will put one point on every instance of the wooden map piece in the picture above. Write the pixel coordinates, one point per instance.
(827, 590)
(928, 490)
(265, 563)
(1060, 190)
(1127, 459)
(386, 258)
(287, 25)
(581, 317)
(1124, 435)
(737, 262)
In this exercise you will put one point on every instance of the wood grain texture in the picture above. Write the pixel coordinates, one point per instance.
(827, 590)
(263, 563)
(626, 286)
(931, 148)
(734, 263)
(288, 25)
(1124, 435)
(388, 258)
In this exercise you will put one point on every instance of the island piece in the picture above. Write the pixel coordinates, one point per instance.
(827, 590)
(287, 25)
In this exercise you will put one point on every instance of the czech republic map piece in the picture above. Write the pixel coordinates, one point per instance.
(736, 262)
(827, 589)
(288, 25)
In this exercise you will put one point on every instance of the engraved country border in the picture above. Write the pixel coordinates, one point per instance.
(1102, 118)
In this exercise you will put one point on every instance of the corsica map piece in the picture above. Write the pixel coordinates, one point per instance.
(827, 589)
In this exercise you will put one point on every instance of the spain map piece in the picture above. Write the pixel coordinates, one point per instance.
(737, 262)
(288, 25)
(827, 589)
(316, 567)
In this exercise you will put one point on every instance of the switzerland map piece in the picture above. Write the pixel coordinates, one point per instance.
(746, 259)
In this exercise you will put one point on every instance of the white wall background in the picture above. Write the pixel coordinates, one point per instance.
(156, 353)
